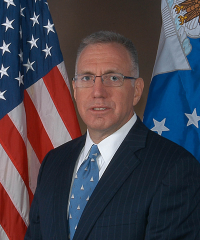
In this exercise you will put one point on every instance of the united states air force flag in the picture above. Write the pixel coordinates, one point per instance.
(173, 105)
(36, 108)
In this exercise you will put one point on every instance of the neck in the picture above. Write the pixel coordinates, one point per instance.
(97, 137)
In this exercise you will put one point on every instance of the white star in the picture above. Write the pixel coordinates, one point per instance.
(78, 208)
(21, 55)
(21, 11)
(47, 51)
(5, 48)
(8, 24)
(193, 118)
(9, 2)
(20, 79)
(29, 65)
(82, 188)
(159, 126)
(87, 199)
(35, 19)
(2, 95)
(3, 71)
(49, 27)
(33, 42)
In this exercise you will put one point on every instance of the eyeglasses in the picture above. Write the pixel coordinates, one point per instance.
(108, 80)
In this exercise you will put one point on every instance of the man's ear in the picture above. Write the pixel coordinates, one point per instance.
(74, 88)
(138, 89)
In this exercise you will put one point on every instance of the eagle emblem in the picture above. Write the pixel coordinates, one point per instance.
(190, 9)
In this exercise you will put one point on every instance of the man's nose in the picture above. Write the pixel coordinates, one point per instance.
(99, 88)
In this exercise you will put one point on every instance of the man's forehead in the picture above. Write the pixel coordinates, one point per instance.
(102, 46)
(104, 51)
(104, 57)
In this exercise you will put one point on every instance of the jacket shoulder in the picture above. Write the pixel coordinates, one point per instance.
(62, 154)
(69, 145)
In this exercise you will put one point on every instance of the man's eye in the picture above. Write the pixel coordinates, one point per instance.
(86, 78)
(114, 78)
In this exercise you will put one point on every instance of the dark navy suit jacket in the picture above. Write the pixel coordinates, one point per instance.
(150, 190)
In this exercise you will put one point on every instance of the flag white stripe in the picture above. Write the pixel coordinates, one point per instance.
(18, 117)
(63, 71)
(14, 185)
(3, 235)
(41, 99)
(33, 167)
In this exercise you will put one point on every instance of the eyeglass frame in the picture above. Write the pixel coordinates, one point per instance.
(124, 77)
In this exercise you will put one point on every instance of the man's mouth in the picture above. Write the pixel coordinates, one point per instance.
(99, 109)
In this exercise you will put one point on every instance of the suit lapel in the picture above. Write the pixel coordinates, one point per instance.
(62, 188)
(122, 165)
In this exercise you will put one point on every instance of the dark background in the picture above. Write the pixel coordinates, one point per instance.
(139, 20)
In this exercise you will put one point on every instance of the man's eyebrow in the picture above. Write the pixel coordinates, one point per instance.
(106, 72)
(86, 72)
(112, 71)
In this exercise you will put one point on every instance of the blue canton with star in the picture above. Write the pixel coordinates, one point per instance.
(29, 48)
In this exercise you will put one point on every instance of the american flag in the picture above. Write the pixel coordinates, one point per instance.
(173, 105)
(36, 108)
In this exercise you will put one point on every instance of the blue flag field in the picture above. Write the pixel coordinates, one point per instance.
(173, 104)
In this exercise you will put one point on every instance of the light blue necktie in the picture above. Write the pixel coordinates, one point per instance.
(85, 182)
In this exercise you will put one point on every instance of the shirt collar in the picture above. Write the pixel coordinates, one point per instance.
(109, 145)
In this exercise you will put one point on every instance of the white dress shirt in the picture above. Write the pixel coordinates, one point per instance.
(107, 147)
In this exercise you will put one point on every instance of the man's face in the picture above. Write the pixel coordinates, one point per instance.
(106, 109)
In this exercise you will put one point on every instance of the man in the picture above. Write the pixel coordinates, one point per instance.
(148, 187)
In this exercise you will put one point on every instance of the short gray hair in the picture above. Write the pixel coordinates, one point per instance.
(111, 37)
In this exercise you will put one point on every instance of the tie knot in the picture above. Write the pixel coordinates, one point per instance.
(94, 152)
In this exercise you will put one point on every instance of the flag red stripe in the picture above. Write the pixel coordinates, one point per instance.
(62, 99)
(15, 148)
(10, 220)
(36, 133)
